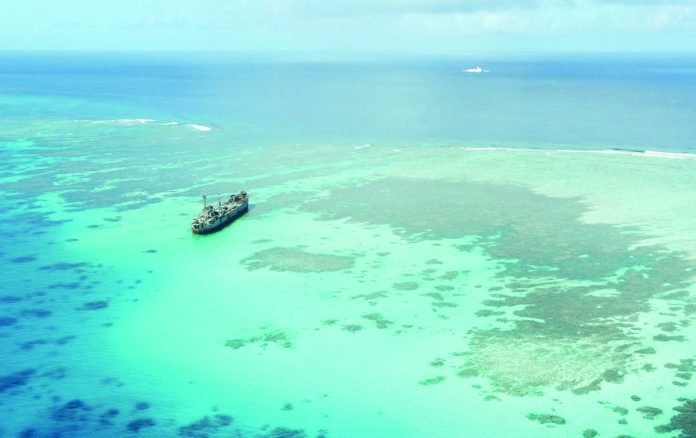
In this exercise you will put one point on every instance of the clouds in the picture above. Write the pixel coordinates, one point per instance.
(396, 7)
(411, 26)
(646, 2)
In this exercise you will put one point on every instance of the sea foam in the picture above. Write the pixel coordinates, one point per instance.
(200, 128)
(126, 122)
(636, 153)
(646, 153)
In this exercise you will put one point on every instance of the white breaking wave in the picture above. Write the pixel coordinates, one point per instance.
(653, 154)
(647, 153)
(487, 148)
(669, 154)
(142, 121)
(120, 121)
(200, 128)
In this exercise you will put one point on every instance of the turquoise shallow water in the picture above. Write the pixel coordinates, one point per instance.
(425, 255)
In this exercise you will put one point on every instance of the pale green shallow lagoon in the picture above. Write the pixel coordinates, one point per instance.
(370, 291)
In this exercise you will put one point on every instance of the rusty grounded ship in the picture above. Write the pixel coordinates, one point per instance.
(212, 219)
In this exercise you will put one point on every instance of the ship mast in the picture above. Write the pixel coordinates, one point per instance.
(205, 200)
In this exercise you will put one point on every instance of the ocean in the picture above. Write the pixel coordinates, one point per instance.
(428, 252)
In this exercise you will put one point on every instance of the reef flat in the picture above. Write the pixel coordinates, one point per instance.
(503, 289)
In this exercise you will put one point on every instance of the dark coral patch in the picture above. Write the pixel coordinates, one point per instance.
(296, 260)
(379, 321)
(29, 433)
(488, 312)
(72, 410)
(669, 326)
(23, 259)
(684, 421)
(206, 426)
(353, 328)
(106, 419)
(573, 286)
(62, 266)
(666, 338)
(407, 285)
(547, 419)
(6, 321)
(58, 373)
(64, 340)
(139, 424)
(95, 305)
(372, 296)
(649, 412)
(261, 241)
(15, 380)
(432, 381)
(71, 285)
(28, 345)
(438, 362)
(235, 343)
(37, 313)
(275, 337)
(284, 432)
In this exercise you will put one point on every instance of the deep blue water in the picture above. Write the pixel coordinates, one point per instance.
(579, 101)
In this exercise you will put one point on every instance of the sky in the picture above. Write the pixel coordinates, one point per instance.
(328, 26)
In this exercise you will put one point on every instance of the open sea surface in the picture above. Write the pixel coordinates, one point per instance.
(428, 253)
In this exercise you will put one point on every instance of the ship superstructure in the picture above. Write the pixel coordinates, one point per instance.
(214, 218)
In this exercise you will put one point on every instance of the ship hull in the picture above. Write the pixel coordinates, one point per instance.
(224, 221)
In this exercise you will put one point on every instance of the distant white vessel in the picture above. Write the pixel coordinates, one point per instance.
(476, 69)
